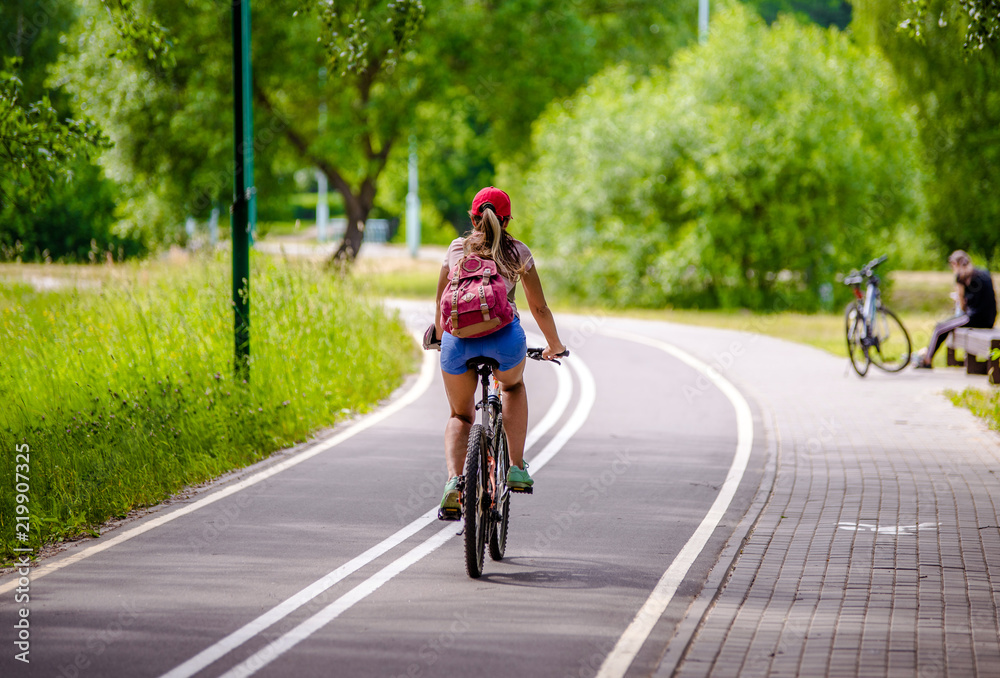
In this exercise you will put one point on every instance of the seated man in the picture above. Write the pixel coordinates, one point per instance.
(976, 299)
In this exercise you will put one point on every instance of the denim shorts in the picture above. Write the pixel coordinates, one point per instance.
(507, 346)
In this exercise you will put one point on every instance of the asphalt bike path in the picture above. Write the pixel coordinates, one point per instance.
(629, 479)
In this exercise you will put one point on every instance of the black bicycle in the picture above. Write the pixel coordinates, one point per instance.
(875, 335)
(485, 493)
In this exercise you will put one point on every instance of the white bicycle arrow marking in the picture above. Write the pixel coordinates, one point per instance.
(895, 530)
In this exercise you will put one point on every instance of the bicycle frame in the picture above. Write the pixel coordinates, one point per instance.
(871, 302)
(491, 419)
(485, 494)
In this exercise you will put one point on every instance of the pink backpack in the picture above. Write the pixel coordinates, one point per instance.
(475, 302)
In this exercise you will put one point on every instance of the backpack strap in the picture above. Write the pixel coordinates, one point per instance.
(455, 275)
(482, 294)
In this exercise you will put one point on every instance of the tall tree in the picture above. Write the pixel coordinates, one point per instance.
(955, 94)
(385, 59)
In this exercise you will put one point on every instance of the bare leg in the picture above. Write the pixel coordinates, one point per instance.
(461, 391)
(515, 411)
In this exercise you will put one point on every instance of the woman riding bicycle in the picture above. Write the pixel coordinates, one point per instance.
(489, 239)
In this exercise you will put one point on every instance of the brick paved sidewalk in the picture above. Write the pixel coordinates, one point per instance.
(878, 551)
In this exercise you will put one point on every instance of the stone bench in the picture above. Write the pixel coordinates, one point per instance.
(978, 346)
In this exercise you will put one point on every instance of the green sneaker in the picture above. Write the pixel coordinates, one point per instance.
(518, 479)
(451, 502)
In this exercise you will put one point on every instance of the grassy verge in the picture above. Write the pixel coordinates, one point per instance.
(984, 404)
(125, 393)
(399, 278)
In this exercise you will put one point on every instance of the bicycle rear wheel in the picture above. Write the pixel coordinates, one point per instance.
(855, 329)
(498, 526)
(890, 349)
(475, 502)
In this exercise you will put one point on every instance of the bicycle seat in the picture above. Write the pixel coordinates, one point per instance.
(479, 362)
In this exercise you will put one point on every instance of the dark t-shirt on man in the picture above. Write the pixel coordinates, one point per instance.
(980, 300)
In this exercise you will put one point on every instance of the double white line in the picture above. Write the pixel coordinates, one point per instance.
(331, 611)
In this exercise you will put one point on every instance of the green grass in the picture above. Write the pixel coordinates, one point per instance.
(419, 282)
(125, 394)
(922, 292)
(280, 228)
(984, 404)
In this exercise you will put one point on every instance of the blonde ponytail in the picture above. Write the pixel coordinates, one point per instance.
(489, 239)
(492, 226)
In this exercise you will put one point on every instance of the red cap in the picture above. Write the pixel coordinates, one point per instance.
(495, 197)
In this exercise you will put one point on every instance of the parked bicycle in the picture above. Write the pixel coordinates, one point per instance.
(485, 493)
(875, 334)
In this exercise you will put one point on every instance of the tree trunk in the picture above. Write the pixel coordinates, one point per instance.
(351, 244)
(358, 207)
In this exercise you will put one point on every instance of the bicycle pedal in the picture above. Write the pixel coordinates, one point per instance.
(449, 514)
(521, 490)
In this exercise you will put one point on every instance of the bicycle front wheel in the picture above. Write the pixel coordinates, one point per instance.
(501, 517)
(475, 502)
(855, 328)
(890, 348)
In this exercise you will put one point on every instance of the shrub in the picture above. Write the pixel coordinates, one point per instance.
(752, 172)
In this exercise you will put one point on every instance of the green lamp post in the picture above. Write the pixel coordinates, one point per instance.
(244, 198)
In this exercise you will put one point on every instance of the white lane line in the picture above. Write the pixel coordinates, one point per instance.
(556, 410)
(618, 661)
(290, 639)
(223, 647)
(427, 370)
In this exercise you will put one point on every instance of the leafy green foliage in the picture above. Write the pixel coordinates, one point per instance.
(979, 20)
(353, 45)
(36, 146)
(31, 31)
(141, 35)
(957, 100)
(71, 216)
(170, 120)
(75, 223)
(759, 166)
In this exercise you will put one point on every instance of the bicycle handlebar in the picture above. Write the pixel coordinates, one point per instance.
(432, 343)
(856, 277)
(873, 263)
(536, 354)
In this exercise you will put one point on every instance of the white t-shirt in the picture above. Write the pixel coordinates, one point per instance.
(456, 251)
